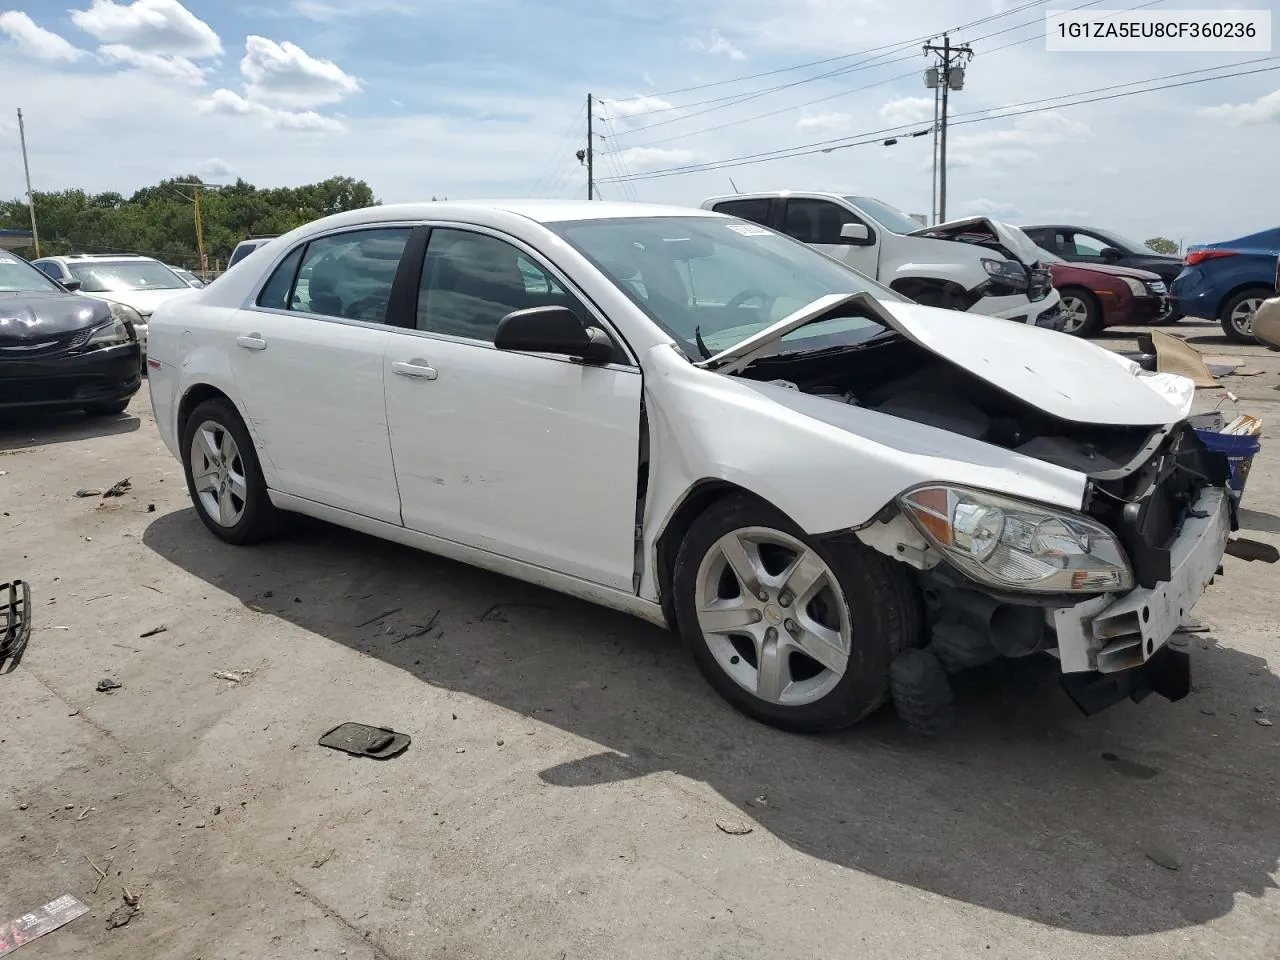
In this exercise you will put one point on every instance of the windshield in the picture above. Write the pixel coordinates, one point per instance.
(18, 276)
(1123, 244)
(721, 279)
(108, 276)
(892, 219)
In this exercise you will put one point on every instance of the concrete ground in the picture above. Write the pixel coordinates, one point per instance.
(571, 777)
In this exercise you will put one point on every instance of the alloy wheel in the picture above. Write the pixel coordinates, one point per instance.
(217, 473)
(1077, 313)
(773, 615)
(1242, 316)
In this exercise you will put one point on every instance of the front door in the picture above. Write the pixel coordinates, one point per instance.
(819, 222)
(526, 456)
(308, 361)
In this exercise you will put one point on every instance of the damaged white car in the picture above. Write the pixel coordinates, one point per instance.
(829, 491)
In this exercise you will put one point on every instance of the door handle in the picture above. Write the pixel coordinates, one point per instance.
(253, 341)
(416, 368)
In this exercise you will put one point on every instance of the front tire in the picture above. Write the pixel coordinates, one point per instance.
(224, 477)
(1083, 312)
(796, 633)
(1237, 313)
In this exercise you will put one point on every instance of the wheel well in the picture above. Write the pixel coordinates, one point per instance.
(697, 501)
(913, 287)
(1241, 288)
(197, 395)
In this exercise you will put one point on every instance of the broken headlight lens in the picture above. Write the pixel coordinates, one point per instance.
(109, 334)
(1007, 274)
(1014, 545)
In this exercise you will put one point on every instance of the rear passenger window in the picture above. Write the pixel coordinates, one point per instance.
(350, 275)
(754, 210)
(275, 293)
(470, 281)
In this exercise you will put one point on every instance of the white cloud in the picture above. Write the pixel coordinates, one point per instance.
(651, 158)
(172, 68)
(162, 27)
(215, 167)
(982, 207)
(230, 103)
(635, 106)
(284, 73)
(34, 40)
(1266, 109)
(1015, 146)
(906, 110)
(715, 44)
(825, 123)
(326, 11)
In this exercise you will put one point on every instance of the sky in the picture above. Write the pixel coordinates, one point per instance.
(487, 98)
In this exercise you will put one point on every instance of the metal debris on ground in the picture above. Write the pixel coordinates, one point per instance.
(118, 489)
(15, 623)
(88, 492)
(735, 828)
(231, 677)
(362, 740)
(371, 620)
(1264, 722)
(153, 631)
(122, 914)
(37, 923)
(106, 685)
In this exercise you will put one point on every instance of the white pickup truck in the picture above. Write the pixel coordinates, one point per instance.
(976, 264)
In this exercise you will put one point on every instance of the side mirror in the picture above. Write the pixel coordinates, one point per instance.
(72, 285)
(856, 233)
(553, 330)
(1111, 253)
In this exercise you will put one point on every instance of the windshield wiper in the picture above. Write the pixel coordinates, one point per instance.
(701, 344)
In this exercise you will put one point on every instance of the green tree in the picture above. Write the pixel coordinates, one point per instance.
(159, 221)
(1163, 245)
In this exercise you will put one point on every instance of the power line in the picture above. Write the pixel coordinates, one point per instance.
(845, 93)
(877, 135)
(569, 135)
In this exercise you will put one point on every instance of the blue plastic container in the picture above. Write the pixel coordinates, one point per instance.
(1240, 452)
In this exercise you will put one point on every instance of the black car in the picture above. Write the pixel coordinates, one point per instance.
(59, 350)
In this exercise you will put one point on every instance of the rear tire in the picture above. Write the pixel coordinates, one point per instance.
(107, 409)
(1236, 317)
(224, 477)
(1084, 312)
(870, 597)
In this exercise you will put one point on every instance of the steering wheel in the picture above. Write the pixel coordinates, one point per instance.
(751, 293)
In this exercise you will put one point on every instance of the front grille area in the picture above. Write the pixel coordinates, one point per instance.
(1041, 283)
(1146, 509)
(28, 350)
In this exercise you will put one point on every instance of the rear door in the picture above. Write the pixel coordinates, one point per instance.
(308, 363)
(818, 223)
(526, 456)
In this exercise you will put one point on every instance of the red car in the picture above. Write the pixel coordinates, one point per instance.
(1099, 295)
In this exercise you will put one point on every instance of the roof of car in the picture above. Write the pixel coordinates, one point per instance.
(541, 211)
(83, 257)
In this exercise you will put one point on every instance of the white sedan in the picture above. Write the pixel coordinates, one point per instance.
(833, 493)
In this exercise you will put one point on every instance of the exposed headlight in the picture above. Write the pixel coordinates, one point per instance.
(109, 334)
(126, 314)
(1006, 272)
(1013, 545)
(1136, 287)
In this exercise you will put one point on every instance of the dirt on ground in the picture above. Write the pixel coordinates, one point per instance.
(573, 788)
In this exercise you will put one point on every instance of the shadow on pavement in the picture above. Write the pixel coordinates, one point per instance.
(36, 429)
(1258, 521)
(1149, 818)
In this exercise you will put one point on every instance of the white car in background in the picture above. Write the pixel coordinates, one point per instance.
(975, 265)
(132, 285)
(830, 491)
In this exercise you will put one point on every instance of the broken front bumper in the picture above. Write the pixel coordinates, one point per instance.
(1112, 634)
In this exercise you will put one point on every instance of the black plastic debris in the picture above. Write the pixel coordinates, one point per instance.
(15, 623)
(118, 489)
(106, 685)
(362, 740)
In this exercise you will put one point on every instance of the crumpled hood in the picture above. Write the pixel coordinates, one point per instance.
(144, 301)
(1012, 238)
(31, 317)
(1063, 376)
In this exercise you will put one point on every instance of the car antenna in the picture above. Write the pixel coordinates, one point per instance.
(702, 346)
(734, 185)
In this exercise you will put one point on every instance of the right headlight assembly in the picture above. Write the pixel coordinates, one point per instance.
(1014, 545)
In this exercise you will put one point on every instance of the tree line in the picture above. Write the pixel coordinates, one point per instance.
(159, 221)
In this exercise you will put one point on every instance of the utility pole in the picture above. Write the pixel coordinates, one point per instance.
(933, 187)
(587, 155)
(196, 187)
(26, 167)
(947, 74)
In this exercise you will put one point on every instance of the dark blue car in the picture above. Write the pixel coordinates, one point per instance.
(1228, 281)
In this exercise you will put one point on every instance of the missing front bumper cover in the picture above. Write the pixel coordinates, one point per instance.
(1168, 674)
